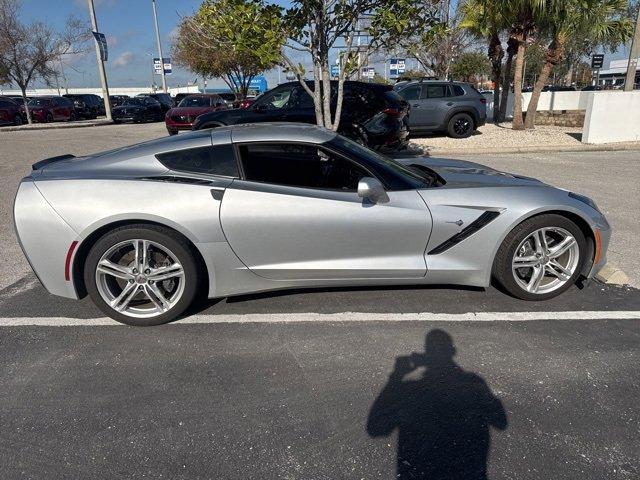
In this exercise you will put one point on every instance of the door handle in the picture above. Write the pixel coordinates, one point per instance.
(449, 104)
(416, 105)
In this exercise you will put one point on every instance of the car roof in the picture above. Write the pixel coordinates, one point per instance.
(280, 132)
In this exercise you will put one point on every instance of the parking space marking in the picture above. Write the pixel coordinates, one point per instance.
(339, 317)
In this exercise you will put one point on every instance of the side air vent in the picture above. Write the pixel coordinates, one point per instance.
(482, 221)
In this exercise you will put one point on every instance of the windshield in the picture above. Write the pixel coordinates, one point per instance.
(133, 102)
(195, 102)
(395, 175)
(39, 102)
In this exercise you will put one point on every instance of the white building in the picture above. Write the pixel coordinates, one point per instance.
(617, 72)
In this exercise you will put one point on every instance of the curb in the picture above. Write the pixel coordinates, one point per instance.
(612, 275)
(53, 126)
(607, 147)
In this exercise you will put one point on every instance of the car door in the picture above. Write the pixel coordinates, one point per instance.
(418, 114)
(435, 103)
(300, 107)
(6, 112)
(295, 215)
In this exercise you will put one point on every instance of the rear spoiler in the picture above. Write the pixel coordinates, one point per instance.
(47, 161)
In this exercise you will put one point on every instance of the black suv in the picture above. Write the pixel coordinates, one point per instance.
(86, 105)
(165, 100)
(372, 113)
(438, 106)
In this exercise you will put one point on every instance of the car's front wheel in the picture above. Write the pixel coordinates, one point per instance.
(541, 258)
(142, 275)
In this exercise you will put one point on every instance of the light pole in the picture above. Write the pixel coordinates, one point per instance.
(155, 20)
(634, 52)
(103, 75)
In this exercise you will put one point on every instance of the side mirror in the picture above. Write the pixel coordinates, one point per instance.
(371, 189)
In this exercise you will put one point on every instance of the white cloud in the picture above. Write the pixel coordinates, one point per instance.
(124, 59)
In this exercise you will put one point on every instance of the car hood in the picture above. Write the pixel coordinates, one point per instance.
(189, 110)
(464, 174)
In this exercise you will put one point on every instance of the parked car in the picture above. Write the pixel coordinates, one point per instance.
(138, 110)
(180, 96)
(117, 100)
(247, 102)
(10, 112)
(232, 99)
(87, 105)
(183, 116)
(252, 208)
(51, 109)
(558, 88)
(437, 106)
(372, 113)
(165, 100)
(592, 88)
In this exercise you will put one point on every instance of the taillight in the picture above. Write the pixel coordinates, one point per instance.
(394, 112)
(483, 100)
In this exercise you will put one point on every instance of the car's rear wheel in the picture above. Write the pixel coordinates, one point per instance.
(142, 275)
(17, 120)
(49, 118)
(460, 125)
(541, 258)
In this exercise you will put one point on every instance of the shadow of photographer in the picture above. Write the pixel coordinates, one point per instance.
(443, 416)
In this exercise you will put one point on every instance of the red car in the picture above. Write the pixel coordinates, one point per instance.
(51, 109)
(183, 116)
(10, 112)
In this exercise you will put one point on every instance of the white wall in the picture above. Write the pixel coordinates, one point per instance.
(489, 97)
(612, 116)
(559, 100)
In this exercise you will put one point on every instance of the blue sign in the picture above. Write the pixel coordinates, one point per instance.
(397, 67)
(335, 70)
(102, 45)
(257, 83)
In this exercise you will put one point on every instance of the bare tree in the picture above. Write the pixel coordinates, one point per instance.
(29, 52)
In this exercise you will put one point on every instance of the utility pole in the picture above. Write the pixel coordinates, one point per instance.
(103, 75)
(155, 21)
(633, 57)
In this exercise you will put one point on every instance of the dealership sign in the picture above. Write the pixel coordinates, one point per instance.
(368, 72)
(157, 66)
(102, 45)
(397, 67)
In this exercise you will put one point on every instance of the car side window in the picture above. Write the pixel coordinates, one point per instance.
(436, 91)
(299, 165)
(276, 100)
(215, 160)
(301, 99)
(456, 91)
(411, 93)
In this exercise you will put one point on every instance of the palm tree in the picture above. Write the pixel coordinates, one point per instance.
(485, 19)
(602, 22)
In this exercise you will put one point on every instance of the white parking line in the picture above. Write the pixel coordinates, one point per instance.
(339, 317)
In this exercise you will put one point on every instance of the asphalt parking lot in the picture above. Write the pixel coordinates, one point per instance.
(363, 383)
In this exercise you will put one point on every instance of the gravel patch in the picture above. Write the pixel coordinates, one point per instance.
(492, 136)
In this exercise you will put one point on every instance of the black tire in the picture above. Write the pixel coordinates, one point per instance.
(175, 242)
(17, 120)
(172, 132)
(502, 270)
(460, 126)
(49, 118)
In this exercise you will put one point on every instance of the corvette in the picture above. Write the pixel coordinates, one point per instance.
(144, 229)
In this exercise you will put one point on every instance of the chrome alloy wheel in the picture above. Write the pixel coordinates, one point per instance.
(140, 278)
(545, 260)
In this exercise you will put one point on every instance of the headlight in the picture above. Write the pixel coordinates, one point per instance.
(585, 199)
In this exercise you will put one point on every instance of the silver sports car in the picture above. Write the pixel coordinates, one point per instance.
(249, 208)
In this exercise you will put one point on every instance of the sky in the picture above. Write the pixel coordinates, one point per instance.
(128, 26)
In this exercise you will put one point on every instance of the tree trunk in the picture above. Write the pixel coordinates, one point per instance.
(496, 54)
(326, 93)
(512, 49)
(23, 89)
(552, 58)
(568, 78)
(517, 123)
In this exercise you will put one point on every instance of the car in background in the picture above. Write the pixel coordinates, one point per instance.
(181, 96)
(183, 116)
(137, 110)
(437, 106)
(372, 113)
(51, 108)
(558, 88)
(164, 99)
(10, 112)
(232, 99)
(592, 88)
(87, 105)
(247, 102)
(117, 100)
